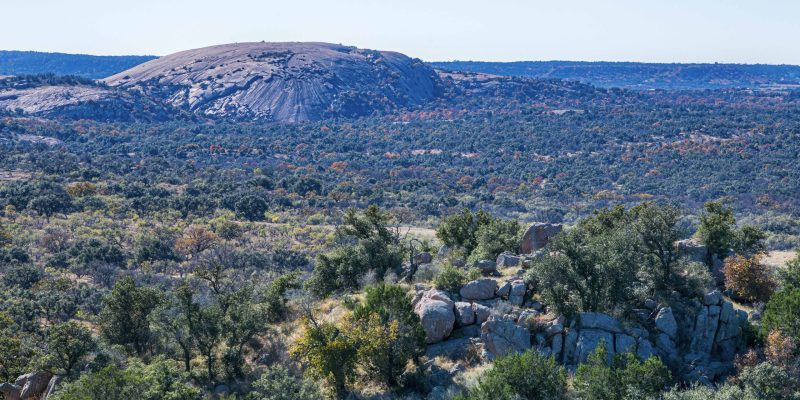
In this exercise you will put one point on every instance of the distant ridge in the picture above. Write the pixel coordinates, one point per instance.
(86, 66)
(634, 75)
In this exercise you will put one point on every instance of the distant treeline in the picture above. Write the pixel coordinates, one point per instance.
(94, 67)
(634, 75)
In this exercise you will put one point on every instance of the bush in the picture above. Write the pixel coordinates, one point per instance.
(766, 381)
(494, 238)
(330, 354)
(626, 378)
(390, 333)
(748, 278)
(451, 279)
(277, 383)
(251, 207)
(529, 375)
(790, 274)
(782, 313)
(22, 275)
(67, 345)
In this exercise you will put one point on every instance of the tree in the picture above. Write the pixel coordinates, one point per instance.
(331, 353)
(716, 230)
(50, 203)
(205, 326)
(529, 375)
(275, 296)
(749, 240)
(67, 345)
(748, 278)
(22, 275)
(790, 274)
(494, 238)
(366, 245)
(767, 381)
(657, 229)
(125, 316)
(195, 240)
(592, 267)
(278, 383)
(251, 207)
(389, 333)
(459, 230)
(782, 313)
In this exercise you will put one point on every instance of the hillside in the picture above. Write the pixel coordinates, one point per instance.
(633, 75)
(287, 82)
(69, 97)
(87, 66)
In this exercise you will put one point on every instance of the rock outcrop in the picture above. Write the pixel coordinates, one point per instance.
(286, 82)
(435, 311)
(537, 236)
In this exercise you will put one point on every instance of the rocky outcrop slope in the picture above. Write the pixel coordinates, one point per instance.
(287, 82)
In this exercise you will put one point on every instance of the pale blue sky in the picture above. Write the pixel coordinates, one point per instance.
(752, 31)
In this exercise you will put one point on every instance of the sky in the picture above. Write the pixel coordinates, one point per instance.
(737, 31)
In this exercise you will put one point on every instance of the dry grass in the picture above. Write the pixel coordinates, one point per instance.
(778, 258)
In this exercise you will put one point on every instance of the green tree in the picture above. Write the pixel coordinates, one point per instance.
(782, 313)
(365, 244)
(717, 229)
(657, 229)
(495, 237)
(529, 375)
(251, 207)
(390, 333)
(125, 316)
(451, 279)
(767, 381)
(460, 230)
(275, 295)
(790, 274)
(331, 354)
(592, 267)
(749, 240)
(67, 345)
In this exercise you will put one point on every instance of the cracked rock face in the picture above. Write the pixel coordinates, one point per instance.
(286, 82)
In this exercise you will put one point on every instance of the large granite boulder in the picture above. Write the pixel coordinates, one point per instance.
(480, 289)
(594, 320)
(435, 311)
(486, 266)
(588, 340)
(665, 322)
(482, 313)
(465, 315)
(502, 337)
(33, 385)
(517, 294)
(10, 391)
(537, 236)
(505, 260)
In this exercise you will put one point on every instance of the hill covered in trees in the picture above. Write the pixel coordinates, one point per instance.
(634, 75)
(87, 66)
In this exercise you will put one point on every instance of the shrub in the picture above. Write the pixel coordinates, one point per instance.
(529, 375)
(494, 238)
(251, 207)
(390, 333)
(278, 383)
(716, 229)
(330, 353)
(451, 279)
(790, 274)
(22, 275)
(748, 278)
(767, 381)
(626, 378)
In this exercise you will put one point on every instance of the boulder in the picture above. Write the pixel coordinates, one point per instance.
(435, 311)
(465, 315)
(486, 266)
(712, 298)
(692, 250)
(705, 329)
(570, 340)
(557, 343)
(482, 313)
(423, 258)
(506, 260)
(537, 236)
(10, 391)
(51, 386)
(624, 343)
(554, 329)
(517, 293)
(453, 349)
(666, 347)
(480, 289)
(33, 385)
(593, 320)
(443, 252)
(665, 322)
(504, 289)
(502, 337)
(588, 340)
(644, 349)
